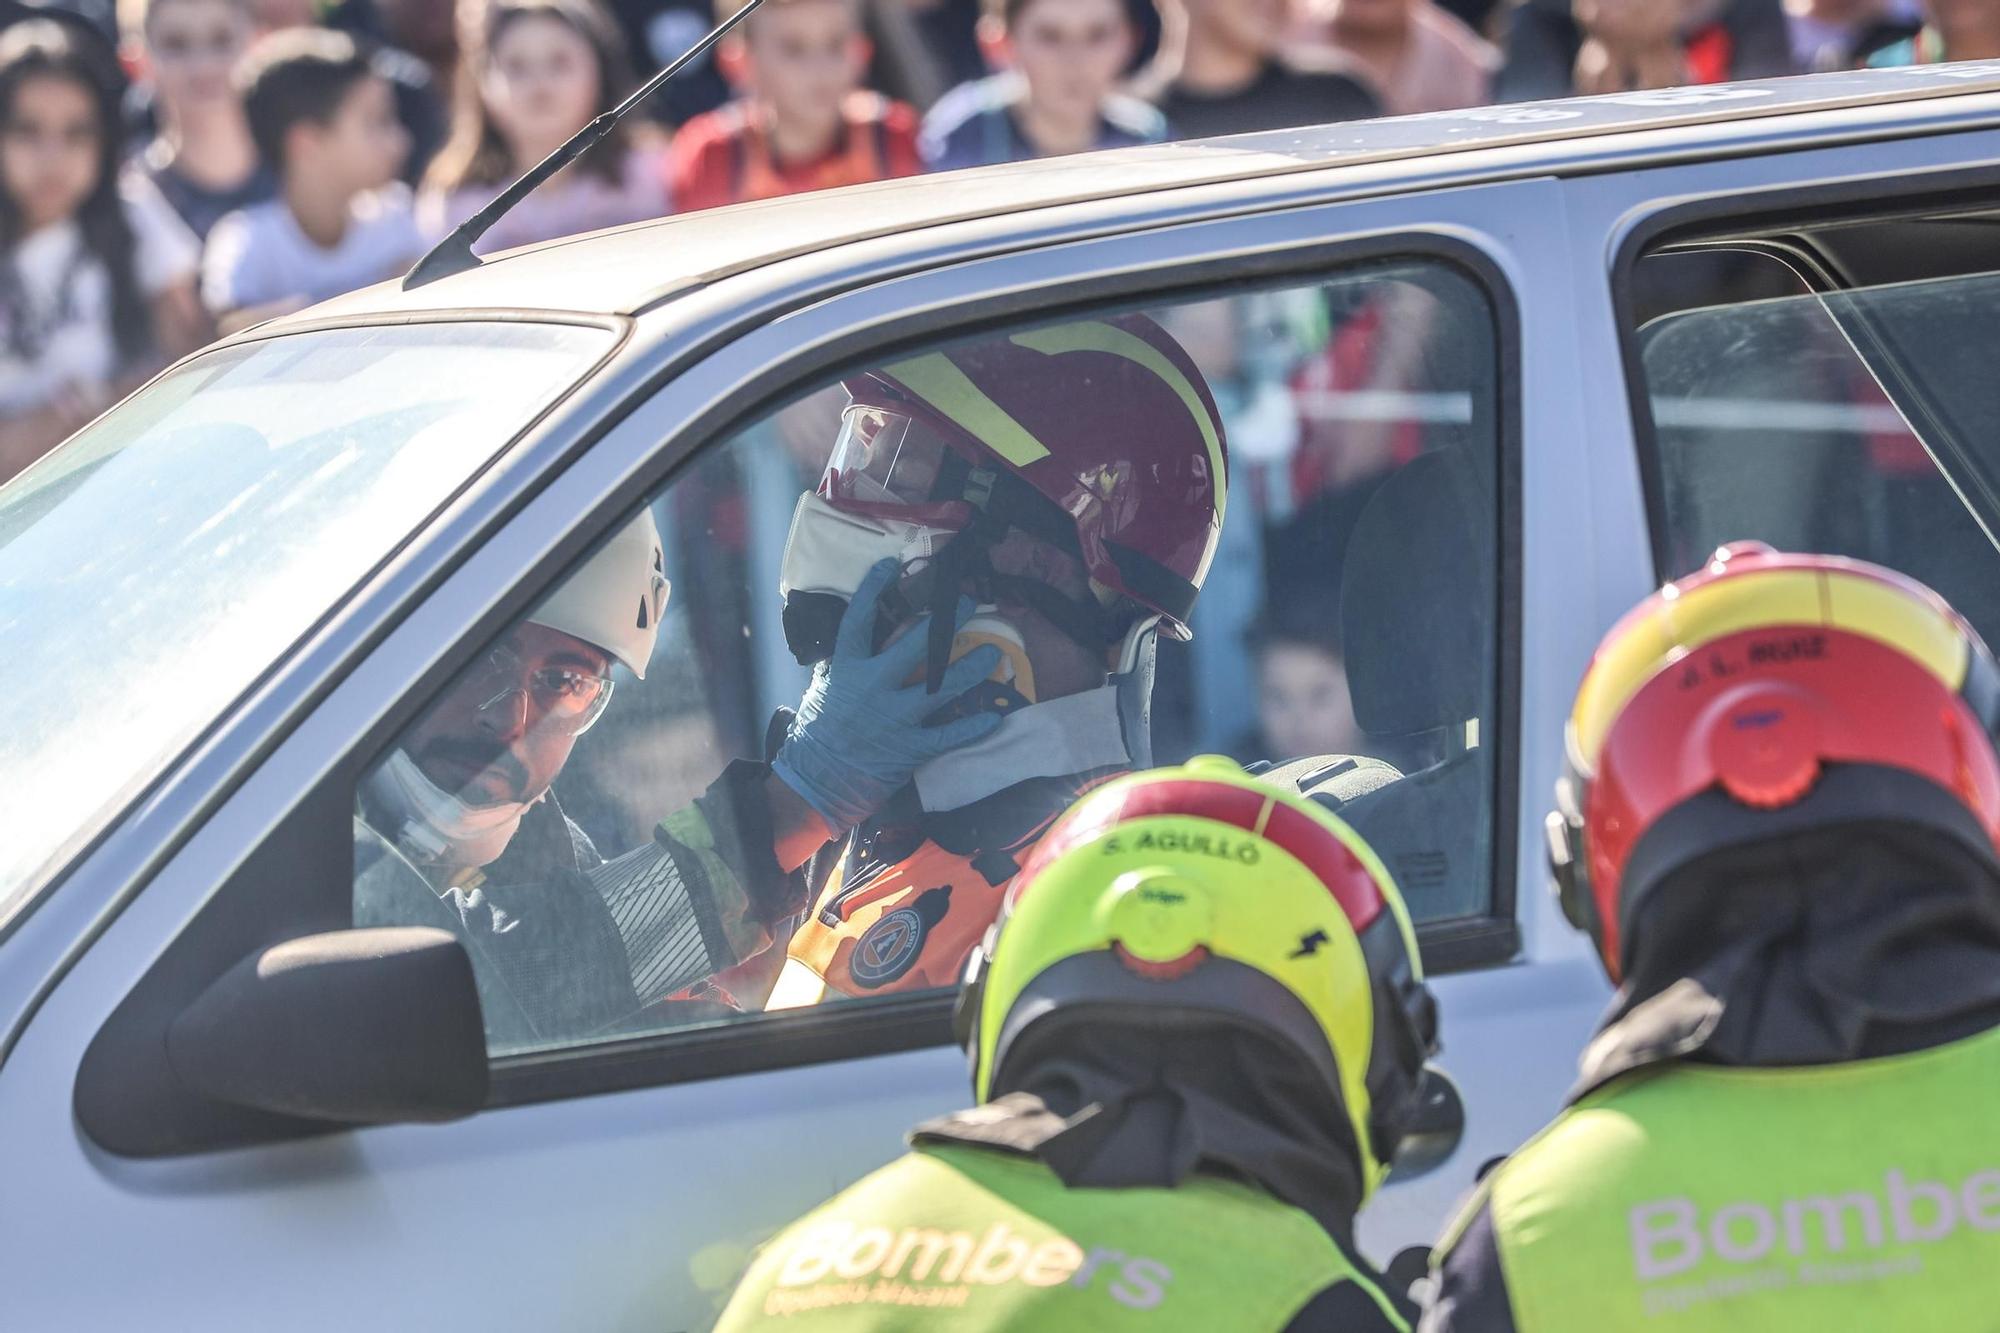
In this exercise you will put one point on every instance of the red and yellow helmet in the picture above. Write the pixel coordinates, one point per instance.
(1100, 435)
(1199, 895)
(1740, 689)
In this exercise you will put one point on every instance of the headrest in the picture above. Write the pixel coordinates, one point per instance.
(1415, 587)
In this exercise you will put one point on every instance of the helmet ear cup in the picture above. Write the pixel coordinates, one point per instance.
(1569, 863)
(971, 997)
(1405, 1036)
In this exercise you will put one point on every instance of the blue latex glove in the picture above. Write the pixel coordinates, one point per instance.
(859, 733)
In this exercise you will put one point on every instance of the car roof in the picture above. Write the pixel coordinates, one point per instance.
(627, 269)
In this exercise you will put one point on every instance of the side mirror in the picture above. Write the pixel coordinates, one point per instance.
(1436, 1126)
(354, 1027)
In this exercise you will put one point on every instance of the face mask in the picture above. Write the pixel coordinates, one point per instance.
(435, 827)
(827, 554)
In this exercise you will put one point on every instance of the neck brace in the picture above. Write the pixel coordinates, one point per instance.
(1073, 734)
(1108, 727)
(435, 828)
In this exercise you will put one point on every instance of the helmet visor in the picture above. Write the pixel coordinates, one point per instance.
(886, 459)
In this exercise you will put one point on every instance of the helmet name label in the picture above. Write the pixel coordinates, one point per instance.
(1866, 1235)
(1797, 648)
(1243, 851)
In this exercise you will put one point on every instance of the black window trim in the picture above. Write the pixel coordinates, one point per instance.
(1715, 218)
(316, 828)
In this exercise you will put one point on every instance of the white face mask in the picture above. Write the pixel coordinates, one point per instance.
(434, 827)
(831, 551)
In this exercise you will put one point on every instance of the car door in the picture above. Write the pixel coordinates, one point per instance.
(620, 1180)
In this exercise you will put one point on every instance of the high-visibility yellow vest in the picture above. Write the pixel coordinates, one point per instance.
(1852, 1196)
(961, 1237)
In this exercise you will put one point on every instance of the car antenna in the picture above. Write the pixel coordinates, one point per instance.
(454, 254)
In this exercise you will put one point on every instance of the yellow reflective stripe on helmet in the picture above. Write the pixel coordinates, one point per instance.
(1886, 612)
(1097, 336)
(939, 382)
(1681, 622)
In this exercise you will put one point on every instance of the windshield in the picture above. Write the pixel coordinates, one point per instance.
(155, 566)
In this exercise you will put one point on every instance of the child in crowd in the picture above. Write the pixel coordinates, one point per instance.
(802, 120)
(1303, 704)
(201, 158)
(327, 122)
(537, 73)
(96, 276)
(1062, 62)
(1227, 77)
(419, 92)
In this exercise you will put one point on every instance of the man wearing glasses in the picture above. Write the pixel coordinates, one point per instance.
(459, 826)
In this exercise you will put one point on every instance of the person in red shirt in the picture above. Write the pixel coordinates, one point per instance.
(802, 120)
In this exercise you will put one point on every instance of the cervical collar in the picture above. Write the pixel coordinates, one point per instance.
(435, 828)
(1073, 734)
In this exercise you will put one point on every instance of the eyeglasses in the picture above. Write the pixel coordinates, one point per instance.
(566, 698)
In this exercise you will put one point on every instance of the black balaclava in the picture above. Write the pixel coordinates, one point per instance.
(1148, 1105)
(1866, 938)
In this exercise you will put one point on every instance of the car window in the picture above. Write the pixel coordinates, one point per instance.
(732, 764)
(159, 562)
(1794, 421)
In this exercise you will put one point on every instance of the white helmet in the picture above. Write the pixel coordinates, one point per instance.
(616, 600)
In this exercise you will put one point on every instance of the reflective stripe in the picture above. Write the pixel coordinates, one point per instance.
(798, 987)
(939, 382)
(1096, 336)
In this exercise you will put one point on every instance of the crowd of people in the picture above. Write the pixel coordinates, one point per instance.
(181, 168)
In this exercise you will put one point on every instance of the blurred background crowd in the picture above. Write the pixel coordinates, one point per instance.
(171, 169)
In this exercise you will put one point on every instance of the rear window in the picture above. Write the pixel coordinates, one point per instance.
(1856, 423)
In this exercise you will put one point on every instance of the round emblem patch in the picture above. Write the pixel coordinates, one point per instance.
(887, 949)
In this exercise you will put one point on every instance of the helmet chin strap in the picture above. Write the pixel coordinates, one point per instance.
(966, 561)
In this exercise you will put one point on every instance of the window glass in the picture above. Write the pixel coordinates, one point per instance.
(157, 564)
(1790, 421)
(612, 810)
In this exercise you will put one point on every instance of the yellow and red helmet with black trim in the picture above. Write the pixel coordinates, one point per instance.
(1198, 895)
(1718, 711)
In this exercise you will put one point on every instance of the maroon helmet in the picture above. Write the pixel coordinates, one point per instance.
(1107, 442)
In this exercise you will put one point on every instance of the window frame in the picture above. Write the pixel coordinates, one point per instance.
(1714, 217)
(318, 821)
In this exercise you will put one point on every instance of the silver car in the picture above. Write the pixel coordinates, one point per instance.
(1489, 377)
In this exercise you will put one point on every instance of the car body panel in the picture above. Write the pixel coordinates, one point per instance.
(630, 268)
